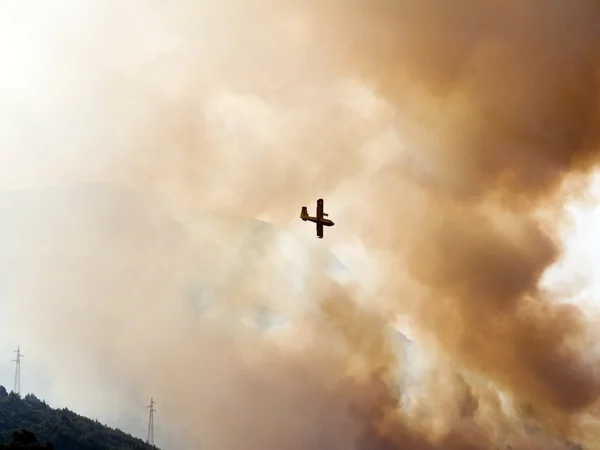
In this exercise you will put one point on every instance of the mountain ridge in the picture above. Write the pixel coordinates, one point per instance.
(64, 429)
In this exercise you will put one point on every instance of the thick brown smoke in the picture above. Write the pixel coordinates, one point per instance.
(510, 90)
(249, 108)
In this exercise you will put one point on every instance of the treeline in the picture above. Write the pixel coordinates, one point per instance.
(65, 429)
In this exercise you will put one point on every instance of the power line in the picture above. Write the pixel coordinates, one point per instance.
(150, 438)
(17, 361)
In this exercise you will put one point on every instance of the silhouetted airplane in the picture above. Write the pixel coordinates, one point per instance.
(319, 219)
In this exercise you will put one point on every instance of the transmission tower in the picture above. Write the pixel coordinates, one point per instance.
(150, 438)
(17, 361)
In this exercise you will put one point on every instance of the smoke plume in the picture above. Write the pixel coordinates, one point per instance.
(511, 92)
(448, 135)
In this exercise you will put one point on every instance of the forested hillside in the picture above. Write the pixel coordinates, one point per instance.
(65, 429)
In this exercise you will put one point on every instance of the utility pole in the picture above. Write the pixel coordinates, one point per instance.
(150, 438)
(17, 361)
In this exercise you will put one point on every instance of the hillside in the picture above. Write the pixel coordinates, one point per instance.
(65, 429)
(120, 237)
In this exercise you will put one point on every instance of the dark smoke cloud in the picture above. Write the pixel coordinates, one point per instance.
(510, 91)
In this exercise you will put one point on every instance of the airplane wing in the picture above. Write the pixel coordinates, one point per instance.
(320, 208)
(320, 230)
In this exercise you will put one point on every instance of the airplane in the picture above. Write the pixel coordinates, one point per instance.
(320, 219)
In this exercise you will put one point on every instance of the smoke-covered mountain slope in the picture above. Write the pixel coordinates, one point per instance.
(97, 230)
(111, 280)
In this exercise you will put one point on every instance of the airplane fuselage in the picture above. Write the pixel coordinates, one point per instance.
(324, 222)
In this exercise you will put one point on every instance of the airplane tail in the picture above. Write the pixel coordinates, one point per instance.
(304, 213)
